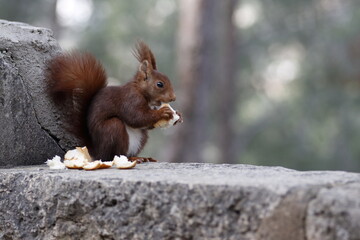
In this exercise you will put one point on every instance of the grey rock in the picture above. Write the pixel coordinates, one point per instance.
(31, 128)
(335, 213)
(179, 201)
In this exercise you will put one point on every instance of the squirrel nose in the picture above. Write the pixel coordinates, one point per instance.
(173, 98)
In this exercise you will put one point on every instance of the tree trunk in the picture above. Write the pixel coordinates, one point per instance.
(196, 46)
(227, 84)
(206, 67)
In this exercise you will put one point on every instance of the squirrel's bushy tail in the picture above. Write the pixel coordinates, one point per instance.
(73, 80)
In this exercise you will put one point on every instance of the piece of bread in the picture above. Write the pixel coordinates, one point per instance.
(77, 158)
(106, 164)
(75, 164)
(92, 165)
(55, 163)
(122, 162)
(79, 153)
(79, 164)
(167, 123)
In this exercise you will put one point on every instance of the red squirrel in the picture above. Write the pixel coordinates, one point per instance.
(111, 120)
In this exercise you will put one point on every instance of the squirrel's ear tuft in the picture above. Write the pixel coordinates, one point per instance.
(142, 52)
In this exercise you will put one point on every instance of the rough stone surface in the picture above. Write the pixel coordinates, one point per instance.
(31, 130)
(179, 201)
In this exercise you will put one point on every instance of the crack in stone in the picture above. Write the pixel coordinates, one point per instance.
(304, 220)
(47, 131)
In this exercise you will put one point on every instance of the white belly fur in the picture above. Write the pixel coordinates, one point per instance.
(135, 137)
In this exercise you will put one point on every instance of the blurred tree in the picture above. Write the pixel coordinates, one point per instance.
(227, 83)
(206, 67)
(196, 61)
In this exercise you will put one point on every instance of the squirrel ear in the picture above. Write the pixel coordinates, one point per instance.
(145, 68)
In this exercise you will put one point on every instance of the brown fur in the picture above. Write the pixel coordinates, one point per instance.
(75, 78)
(103, 112)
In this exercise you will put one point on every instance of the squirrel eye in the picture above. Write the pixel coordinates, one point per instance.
(160, 84)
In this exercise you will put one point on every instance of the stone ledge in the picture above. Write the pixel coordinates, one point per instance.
(34, 130)
(179, 201)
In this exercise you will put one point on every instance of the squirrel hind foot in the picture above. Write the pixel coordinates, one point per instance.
(142, 159)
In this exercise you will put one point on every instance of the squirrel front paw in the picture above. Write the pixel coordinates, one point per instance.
(176, 117)
(166, 113)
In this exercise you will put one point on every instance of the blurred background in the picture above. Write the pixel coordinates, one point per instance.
(264, 82)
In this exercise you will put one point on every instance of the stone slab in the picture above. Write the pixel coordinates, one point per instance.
(179, 201)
